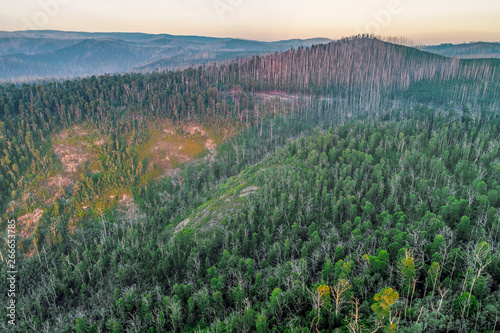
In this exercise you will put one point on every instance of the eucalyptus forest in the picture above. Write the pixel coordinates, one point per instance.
(351, 187)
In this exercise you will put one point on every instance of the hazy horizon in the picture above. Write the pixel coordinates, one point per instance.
(244, 38)
(424, 22)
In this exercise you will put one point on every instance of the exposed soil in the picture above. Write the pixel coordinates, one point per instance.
(56, 186)
(28, 222)
(249, 190)
(59, 181)
(195, 129)
(71, 157)
(210, 145)
(170, 147)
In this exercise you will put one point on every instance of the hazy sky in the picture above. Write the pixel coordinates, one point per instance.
(423, 21)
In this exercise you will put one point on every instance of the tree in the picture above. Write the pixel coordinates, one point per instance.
(117, 327)
(433, 277)
(328, 269)
(494, 198)
(341, 295)
(482, 188)
(464, 229)
(479, 258)
(382, 308)
(80, 326)
(261, 324)
(408, 276)
(339, 253)
(320, 297)
(275, 303)
(465, 305)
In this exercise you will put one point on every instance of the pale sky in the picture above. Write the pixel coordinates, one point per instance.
(423, 21)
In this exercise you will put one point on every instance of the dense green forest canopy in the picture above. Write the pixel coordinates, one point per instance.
(337, 203)
(406, 209)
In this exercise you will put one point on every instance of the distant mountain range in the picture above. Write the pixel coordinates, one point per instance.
(466, 51)
(36, 55)
(40, 55)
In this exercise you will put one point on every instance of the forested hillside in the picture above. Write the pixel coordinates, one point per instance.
(406, 209)
(111, 113)
(350, 187)
(367, 71)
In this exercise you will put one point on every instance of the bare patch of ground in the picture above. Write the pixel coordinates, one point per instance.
(59, 181)
(248, 190)
(28, 222)
(73, 147)
(126, 199)
(62, 135)
(55, 187)
(72, 225)
(168, 147)
(195, 129)
(79, 131)
(182, 225)
(13, 205)
(72, 157)
(210, 145)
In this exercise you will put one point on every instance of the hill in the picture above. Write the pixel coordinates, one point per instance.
(39, 55)
(306, 238)
(347, 186)
(368, 71)
(465, 51)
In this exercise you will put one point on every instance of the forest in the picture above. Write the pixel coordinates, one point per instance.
(347, 187)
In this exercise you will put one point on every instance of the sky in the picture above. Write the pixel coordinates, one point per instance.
(422, 21)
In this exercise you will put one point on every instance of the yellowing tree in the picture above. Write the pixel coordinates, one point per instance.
(382, 309)
(408, 274)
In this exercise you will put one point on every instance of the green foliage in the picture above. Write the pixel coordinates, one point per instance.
(466, 305)
(259, 237)
(261, 324)
(464, 229)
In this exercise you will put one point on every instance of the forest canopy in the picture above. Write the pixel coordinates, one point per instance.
(338, 195)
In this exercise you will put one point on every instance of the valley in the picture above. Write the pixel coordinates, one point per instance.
(350, 186)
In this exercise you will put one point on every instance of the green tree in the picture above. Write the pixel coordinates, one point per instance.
(261, 324)
(466, 305)
(433, 277)
(80, 326)
(464, 229)
(494, 198)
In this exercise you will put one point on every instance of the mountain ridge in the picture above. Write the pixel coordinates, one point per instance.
(30, 49)
(27, 56)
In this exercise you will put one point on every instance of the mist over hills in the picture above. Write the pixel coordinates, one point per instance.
(467, 50)
(37, 55)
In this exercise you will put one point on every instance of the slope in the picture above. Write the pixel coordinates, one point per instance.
(37, 55)
(465, 51)
(398, 214)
